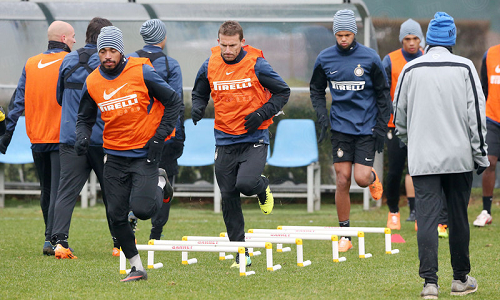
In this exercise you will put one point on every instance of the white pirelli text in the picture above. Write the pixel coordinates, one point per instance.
(348, 85)
(232, 84)
(118, 103)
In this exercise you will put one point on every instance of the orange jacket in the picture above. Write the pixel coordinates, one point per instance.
(493, 101)
(398, 61)
(123, 103)
(236, 91)
(43, 113)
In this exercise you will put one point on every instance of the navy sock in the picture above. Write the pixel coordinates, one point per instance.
(411, 203)
(346, 223)
(487, 203)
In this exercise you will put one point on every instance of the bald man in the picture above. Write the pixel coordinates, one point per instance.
(36, 96)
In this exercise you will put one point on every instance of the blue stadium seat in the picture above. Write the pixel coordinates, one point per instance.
(18, 152)
(199, 146)
(295, 145)
(199, 150)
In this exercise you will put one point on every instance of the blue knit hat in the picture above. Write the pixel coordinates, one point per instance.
(153, 31)
(442, 30)
(344, 20)
(111, 37)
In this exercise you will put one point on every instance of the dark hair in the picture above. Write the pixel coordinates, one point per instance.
(231, 28)
(94, 29)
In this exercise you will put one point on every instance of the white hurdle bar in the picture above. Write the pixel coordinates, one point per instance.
(179, 248)
(298, 242)
(315, 236)
(386, 231)
(185, 261)
(210, 239)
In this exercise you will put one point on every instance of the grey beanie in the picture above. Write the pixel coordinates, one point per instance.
(411, 26)
(344, 20)
(111, 37)
(153, 31)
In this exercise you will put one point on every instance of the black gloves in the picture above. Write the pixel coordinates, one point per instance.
(197, 114)
(81, 146)
(5, 141)
(479, 169)
(2, 121)
(379, 136)
(155, 146)
(254, 120)
(323, 122)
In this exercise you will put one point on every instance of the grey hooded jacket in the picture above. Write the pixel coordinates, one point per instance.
(439, 112)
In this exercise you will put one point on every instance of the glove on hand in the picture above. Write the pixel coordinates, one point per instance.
(254, 120)
(323, 122)
(82, 146)
(197, 114)
(155, 146)
(479, 169)
(379, 136)
(5, 141)
(2, 121)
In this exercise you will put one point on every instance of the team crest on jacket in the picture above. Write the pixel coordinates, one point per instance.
(359, 71)
(340, 153)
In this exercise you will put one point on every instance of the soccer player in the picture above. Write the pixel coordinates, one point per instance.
(36, 96)
(154, 34)
(490, 82)
(139, 110)
(410, 36)
(359, 113)
(439, 103)
(247, 93)
(75, 169)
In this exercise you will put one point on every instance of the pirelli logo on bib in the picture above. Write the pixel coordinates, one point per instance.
(119, 103)
(495, 79)
(237, 84)
(348, 85)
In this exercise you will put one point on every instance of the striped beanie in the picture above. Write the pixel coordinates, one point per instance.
(344, 20)
(111, 37)
(153, 31)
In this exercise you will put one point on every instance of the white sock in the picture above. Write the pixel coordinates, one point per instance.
(161, 182)
(136, 262)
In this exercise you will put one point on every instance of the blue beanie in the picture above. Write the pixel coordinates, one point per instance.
(344, 20)
(110, 37)
(442, 30)
(153, 31)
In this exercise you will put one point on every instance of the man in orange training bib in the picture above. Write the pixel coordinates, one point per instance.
(247, 93)
(139, 110)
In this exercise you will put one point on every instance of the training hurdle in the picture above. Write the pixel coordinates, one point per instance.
(185, 243)
(315, 236)
(328, 230)
(248, 240)
(210, 239)
(180, 248)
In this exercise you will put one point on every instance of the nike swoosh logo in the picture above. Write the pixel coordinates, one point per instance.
(229, 73)
(257, 145)
(43, 65)
(333, 72)
(108, 96)
(497, 69)
(368, 159)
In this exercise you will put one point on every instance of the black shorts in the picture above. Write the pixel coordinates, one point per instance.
(359, 149)
(493, 138)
